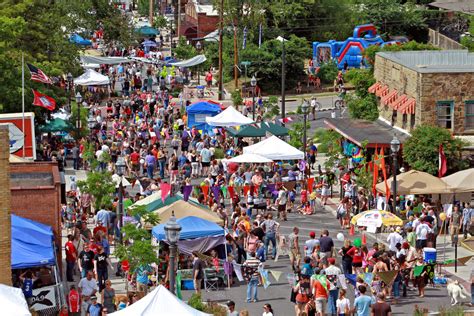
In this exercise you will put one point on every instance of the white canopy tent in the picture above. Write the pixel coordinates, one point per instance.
(13, 301)
(159, 302)
(275, 149)
(91, 78)
(462, 181)
(229, 117)
(86, 59)
(250, 158)
(196, 60)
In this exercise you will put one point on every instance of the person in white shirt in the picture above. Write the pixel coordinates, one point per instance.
(310, 244)
(394, 238)
(421, 234)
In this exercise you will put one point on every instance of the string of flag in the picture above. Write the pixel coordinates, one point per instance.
(40, 99)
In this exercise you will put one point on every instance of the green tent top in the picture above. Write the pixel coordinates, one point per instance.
(246, 131)
(275, 129)
(56, 125)
(147, 31)
(154, 201)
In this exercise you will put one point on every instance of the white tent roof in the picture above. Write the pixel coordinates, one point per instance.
(250, 158)
(194, 61)
(461, 181)
(159, 302)
(91, 78)
(13, 301)
(275, 149)
(229, 117)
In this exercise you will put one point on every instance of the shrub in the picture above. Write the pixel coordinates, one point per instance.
(328, 72)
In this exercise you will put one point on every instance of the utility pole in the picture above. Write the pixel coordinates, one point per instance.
(283, 75)
(150, 18)
(236, 59)
(179, 19)
(221, 27)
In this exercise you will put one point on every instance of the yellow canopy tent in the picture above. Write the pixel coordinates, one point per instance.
(184, 209)
(416, 182)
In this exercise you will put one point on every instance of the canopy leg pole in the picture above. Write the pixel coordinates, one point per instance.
(227, 260)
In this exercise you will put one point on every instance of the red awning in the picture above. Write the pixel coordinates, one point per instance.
(408, 107)
(399, 101)
(390, 97)
(375, 87)
(382, 91)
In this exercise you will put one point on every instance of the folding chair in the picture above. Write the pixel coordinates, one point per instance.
(211, 281)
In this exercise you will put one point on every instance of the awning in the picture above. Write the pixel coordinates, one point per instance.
(408, 107)
(104, 60)
(373, 88)
(383, 91)
(390, 97)
(196, 60)
(399, 101)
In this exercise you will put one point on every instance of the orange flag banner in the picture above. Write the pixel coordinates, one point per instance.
(384, 172)
(310, 185)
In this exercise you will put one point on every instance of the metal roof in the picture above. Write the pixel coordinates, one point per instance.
(465, 6)
(376, 134)
(429, 61)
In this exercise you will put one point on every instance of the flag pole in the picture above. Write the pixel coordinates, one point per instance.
(23, 100)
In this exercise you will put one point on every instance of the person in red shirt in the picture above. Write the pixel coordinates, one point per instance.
(357, 256)
(100, 227)
(74, 301)
(135, 160)
(209, 79)
(320, 292)
(94, 247)
(71, 256)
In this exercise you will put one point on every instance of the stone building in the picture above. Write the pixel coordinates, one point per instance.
(426, 87)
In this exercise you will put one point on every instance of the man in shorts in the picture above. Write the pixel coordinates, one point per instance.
(281, 202)
(295, 254)
(320, 292)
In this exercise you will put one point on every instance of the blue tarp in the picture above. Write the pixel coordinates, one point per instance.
(198, 112)
(32, 244)
(79, 40)
(191, 227)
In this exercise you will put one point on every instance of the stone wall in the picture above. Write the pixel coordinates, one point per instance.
(457, 87)
(426, 89)
(5, 218)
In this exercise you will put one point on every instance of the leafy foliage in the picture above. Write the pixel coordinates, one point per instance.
(421, 150)
(195, 301)
(98, 184)
(330, 144)
(272, 108)
(361, 79)
(237, 99)
(183, 50)
(83, 117)
(137, 248)
(296, 134)
(371, 51)
(328, 72)
(364, 108)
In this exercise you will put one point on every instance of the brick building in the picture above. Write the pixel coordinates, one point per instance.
(35, 194)
(432, 87)
(200, 19)
(5, 218)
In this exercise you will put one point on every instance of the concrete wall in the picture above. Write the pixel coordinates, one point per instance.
(426, 89)
(442, 41)
(5, 217)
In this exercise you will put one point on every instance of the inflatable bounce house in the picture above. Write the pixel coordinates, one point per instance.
(351, 49)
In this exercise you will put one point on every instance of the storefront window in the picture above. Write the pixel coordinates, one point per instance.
(444, 113)
(469, 115)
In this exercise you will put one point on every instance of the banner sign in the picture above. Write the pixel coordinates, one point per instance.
(43, 298)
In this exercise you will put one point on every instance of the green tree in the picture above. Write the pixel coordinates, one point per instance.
(137, 248)
(328, 72)
(421, 150)
(237, 99)
(183, 50)
(99, 184)
(272, 108)
(73, 120)
(364, 108)
(330, 144)
(296, 134)
(393, 17)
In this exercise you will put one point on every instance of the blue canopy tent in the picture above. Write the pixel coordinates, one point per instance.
(79, 40)
(148, 31)
(198, 112)
(32, 244)
(197, 234)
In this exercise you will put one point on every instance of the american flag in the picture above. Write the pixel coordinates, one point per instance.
(38, 75)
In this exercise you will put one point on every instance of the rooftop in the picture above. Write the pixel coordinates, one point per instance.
(376, 134)
(465, 6)
(443, 61)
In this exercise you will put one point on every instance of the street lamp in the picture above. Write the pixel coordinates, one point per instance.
(305, 108)
(172, 231)
(78, 102)
(199, 47)
(253, 83)
(395, 147)
(69, 89)
(120, 168)
(90, 122)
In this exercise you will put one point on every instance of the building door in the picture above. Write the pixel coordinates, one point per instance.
(444, 114)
